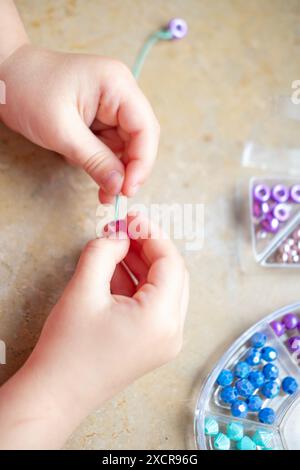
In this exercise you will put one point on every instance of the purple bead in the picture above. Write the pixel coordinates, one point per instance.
(277, 327)
(295, 193)
(282, 212)
(294, 343)
(257, 212)
(270, 224)
(290, 321)
(178, 28)
(280, 193)
(261, 193)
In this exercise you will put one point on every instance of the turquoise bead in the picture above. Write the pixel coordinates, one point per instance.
(221, 442)
(211, 427)
(246, 444)
(263, 439)
(235, 431)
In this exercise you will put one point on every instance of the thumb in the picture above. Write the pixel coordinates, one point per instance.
(96, 266)
(85, 149)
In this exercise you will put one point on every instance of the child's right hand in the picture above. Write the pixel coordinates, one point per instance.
(105, 332)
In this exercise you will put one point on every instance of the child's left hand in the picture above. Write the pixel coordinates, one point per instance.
(87, 108)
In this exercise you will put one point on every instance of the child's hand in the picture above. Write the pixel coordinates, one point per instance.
(103, 334)
(87, 108)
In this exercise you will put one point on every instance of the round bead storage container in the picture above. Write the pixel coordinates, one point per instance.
(251, 399)
(275, 221)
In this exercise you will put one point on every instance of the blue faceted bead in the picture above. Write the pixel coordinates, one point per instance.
(271, 371)
(244, 387)
(242, 370)
(239, 409)
(257, 378)
(258, 340)
(228, 394)
(268, 354)
(253, 357)
(289, 385)
(254, 403)
(270, 389)
(266, 416)
(225, 378)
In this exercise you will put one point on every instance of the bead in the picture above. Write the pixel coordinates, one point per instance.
(261, 193)
(225, 377)
(242, 370)
(228, 394)
(266, 415)
(294, 343)
(282, 212)
(295, 193)
(270, 389)
(235, 431)
(289, 385)
(280, 193)
(277, 327)
(178, 28)
(253, 357)
(270, 371)
(290, 321)
(254, 403)
(263, 439)
(239, 409)
(211, 426)
(246, 444)
(258, 340)
(268, 354)
(257, 209)
(221, 442)
(257, 378)
(270, 224)
(244, 387)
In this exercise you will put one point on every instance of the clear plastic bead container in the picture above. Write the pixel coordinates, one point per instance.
(285, 430)
(272, 157)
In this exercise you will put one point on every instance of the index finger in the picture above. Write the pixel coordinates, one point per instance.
(166, 273)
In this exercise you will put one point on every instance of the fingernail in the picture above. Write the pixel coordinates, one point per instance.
(113, 182)
(134, 188)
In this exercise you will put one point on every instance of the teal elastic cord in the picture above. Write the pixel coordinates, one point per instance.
(161, 35)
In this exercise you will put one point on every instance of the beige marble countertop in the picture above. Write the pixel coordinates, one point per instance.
(207, 90)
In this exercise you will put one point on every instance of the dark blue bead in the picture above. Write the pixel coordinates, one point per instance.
(225, 378)
(253, 357)
(244, 387)
(242, 370)
(239, 409)
(270, 389)
(268, 354)
(289, 385)
(254, 403)
(270, 371)
(257, 378)
(258, 340)
(266, 416)
(228, 394)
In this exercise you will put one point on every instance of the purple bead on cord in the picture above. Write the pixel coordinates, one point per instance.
(290, 321)
(295, 193)
(294, 343)
(261, 193)
(270, 224)
(280, 193)
(178, 28)
(281, 212)
(277, 327)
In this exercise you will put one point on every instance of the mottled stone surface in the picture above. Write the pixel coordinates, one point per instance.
(208, 91)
